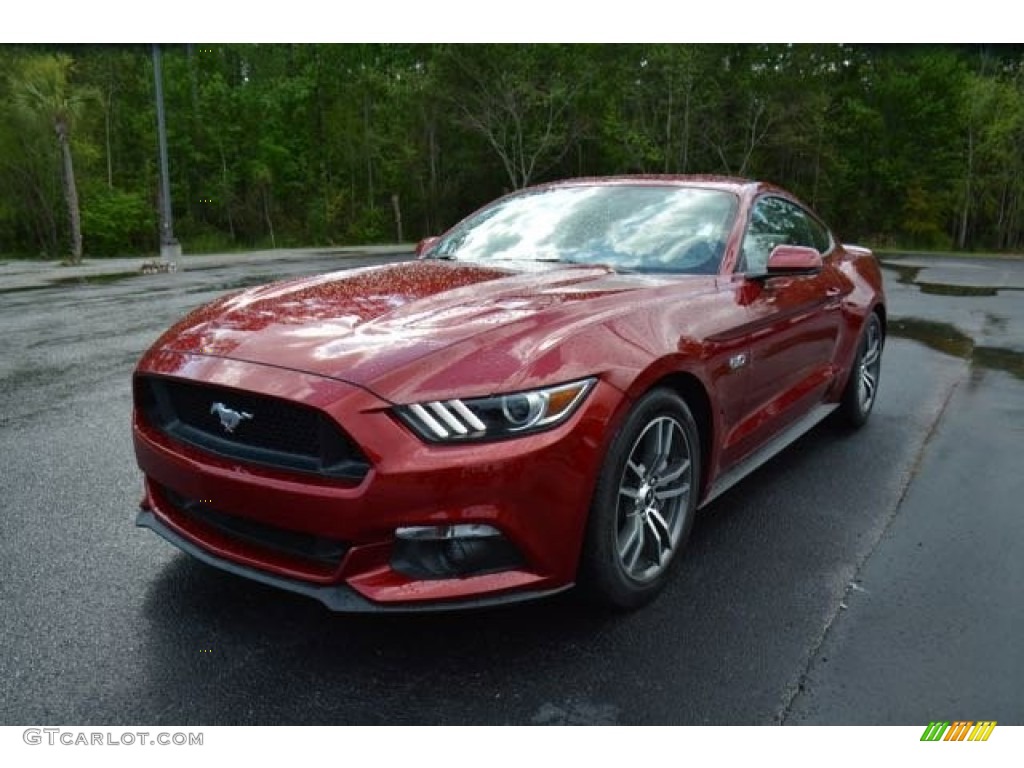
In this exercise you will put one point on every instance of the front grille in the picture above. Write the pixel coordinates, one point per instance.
(276, 425)
(317, 550)
(265, 430)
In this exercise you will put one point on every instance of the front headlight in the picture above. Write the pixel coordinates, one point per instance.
(493, 418)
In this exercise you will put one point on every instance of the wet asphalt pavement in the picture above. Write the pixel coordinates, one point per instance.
(873, 577)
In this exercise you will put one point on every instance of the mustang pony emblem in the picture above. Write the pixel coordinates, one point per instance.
(229, 419)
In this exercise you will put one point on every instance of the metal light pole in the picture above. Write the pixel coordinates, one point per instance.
(169, 247)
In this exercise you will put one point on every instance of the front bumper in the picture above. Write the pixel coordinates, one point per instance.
(535, 490)
(336, 597)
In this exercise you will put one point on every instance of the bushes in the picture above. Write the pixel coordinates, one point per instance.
(117, 223)
(370, 225)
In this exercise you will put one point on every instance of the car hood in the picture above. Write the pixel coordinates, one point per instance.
(367, 326)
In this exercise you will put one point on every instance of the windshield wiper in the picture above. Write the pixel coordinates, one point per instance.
(546, 260)
(584, 263)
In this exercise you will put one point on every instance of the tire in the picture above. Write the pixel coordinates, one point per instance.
(644, 503)
(862, 387)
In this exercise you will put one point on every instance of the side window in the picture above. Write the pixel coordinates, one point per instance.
(773, 222)
(819, 235)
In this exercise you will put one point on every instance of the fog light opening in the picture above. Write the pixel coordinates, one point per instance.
(447, 551)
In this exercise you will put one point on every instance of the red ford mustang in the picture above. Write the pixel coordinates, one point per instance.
(544, 398)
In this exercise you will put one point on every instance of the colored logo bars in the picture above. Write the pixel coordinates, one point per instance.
(961, 730)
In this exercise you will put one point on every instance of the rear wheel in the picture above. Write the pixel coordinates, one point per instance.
(644, 502)
(862, 388)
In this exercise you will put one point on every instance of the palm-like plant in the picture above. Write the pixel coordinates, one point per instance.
(41, 88)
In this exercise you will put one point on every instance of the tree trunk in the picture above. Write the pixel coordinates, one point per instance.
(817, 161)
(106, 126)
(370, 195)
(686, 125)
(266, 215)
(668, 129)
(398, 216)
(70, 192)
(226, 191)
(433, 152)
(1001, 233)
(966, 210)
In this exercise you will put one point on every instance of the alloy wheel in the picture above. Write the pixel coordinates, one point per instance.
(653, 498)
(870, 365)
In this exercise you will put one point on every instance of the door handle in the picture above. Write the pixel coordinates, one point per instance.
(832, 292)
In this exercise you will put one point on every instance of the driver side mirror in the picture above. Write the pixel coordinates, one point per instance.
(424, 245)
(793, 260)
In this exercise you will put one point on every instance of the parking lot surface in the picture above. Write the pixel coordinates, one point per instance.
(872, 577)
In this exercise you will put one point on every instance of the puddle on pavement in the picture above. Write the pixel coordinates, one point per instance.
(907, 274)
(997, 323)
(112, 277)
(234, 285)
(949, 339)
(942, 289)
(1000, 359)
(62, 282)
(26, 288)
(115, 277)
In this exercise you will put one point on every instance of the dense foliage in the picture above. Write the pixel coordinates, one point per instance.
(277, 145)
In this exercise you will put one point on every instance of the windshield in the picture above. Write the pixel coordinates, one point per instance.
(656, 228)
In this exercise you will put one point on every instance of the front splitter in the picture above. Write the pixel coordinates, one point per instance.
(336, 597)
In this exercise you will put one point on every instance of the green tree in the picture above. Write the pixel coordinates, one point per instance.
(993, 188)
(520, 100)
(317, 144)
(42, 88)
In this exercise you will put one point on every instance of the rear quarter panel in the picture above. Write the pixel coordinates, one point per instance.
(860, 266)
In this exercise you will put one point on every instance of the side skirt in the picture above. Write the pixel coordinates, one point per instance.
(769, 450)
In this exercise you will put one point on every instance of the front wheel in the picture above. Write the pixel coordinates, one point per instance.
(644, 502)
(862, 387)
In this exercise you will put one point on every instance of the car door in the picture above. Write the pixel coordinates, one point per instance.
(794, 322)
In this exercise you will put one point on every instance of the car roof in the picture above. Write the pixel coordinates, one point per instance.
(733, 184)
